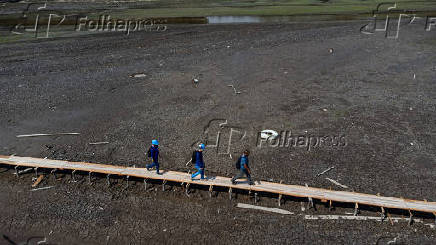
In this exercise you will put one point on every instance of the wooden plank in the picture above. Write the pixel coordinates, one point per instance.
(37, 135)
(274, 210)
(38, 180)
(290, 190)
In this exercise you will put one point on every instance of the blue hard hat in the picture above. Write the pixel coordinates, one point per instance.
(154, 142)
(202, 146)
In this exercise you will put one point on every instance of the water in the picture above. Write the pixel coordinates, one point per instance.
(272, 19)
(233, 19)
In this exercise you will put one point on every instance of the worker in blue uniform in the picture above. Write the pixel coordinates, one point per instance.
(153, 152)
(244, 168)
(197, 159)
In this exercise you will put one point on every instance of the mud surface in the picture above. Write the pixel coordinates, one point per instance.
(375, 96)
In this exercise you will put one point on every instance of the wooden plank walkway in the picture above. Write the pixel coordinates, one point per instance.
(288, 190)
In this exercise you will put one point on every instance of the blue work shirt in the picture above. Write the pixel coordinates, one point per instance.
(197, 158)
(153, 152)
(243, 161)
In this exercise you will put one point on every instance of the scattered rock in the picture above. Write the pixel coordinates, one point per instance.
(234, 89)
(138, 75)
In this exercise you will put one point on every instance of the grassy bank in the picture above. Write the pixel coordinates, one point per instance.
(268, 8)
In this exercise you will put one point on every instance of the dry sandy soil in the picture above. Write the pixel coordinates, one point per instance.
(364, 91)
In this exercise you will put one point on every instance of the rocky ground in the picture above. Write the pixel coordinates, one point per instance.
(320, 81)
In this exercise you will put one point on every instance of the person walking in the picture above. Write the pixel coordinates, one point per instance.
(153, 152)
(244, 168)
(197, 159)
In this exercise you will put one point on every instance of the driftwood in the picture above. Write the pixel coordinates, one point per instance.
(42, 188)
(99, 143)
(274, 210)
(337, 183)
(325, 171)
(38, 181)
(37, 135)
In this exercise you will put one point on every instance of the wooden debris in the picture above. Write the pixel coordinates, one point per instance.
(390, 219)
(210, 191)
(42, 188)
(37, 135)
(234, 89)
(352, 217)
(274, 210)
(364, 218)
(188, 162)
(410, 217)
(310, 203)
(38, 181)
(356, 209)
(337, 183)
(99, 143)
(325, 171)
(24, 171)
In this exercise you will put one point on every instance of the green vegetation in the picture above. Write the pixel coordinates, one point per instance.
(303, 10)
(196, 8)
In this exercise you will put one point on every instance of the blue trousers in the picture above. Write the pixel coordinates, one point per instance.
(241, 173)
(200, 171)
(154, 164)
